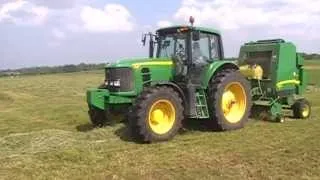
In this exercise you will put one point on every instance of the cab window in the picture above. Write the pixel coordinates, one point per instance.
(200, 49)
(214, 47)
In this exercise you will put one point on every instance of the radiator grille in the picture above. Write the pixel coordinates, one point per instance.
(125, 75)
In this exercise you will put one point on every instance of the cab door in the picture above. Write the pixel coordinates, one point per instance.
(205, 49)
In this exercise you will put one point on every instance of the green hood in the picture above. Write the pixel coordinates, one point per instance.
(140, 62)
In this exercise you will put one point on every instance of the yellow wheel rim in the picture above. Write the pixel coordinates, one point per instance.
(234, 101)
(305, 111)
(162, 115)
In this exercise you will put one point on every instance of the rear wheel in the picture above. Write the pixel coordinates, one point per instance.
(301, 109)
(229, 100)
(157, 115)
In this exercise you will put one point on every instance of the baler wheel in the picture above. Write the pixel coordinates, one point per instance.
(301, 109)
(230, 100)
(157, 115)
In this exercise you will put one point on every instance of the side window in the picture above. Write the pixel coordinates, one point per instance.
(200, 50)
(181, 49)
(214, 47)
(167, 47)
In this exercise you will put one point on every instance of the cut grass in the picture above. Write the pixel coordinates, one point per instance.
(45, 134)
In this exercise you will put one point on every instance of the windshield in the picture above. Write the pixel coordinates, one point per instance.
(173, 44)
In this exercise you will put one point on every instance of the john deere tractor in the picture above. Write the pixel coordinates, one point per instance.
(186, 77)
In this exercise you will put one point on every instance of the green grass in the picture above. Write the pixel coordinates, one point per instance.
(45, 134)
(313, 68)
(312, 62)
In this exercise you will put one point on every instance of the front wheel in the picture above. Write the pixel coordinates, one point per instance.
(157, 115)
(97, 117)
(229, 100)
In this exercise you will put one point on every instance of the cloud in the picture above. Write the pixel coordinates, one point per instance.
(235, 14)
(113, 18)
(241, 21)
(68, 15)
(10, 7)
(72, 27)
(164, 24)
(55, 4)
(58, 34)
(53, 44)
(23, 13)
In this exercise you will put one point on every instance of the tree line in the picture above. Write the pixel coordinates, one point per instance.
(313, 56)
(68, 68)
(88, 67)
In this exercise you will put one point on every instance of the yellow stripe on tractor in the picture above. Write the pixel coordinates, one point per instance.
(282, 83)
(137, 65)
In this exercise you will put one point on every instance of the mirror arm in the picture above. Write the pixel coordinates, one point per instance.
(151, 47)
(144, 37)
(151, 42)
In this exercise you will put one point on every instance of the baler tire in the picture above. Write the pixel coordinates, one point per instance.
(218, 83)
(97, 117)
(139, 119)
(298, 109)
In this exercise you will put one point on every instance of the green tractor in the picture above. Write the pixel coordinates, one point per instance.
(187, 77)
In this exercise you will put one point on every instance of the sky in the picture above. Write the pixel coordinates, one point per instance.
(57, 32)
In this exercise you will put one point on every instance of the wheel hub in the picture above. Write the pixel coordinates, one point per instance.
(157, 116)
(305, 111)
(161, 116)
(228, 101)
(234, 102)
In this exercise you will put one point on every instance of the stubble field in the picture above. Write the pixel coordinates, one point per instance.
(45, 134)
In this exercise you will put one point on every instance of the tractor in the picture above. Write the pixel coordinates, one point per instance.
(186, 76)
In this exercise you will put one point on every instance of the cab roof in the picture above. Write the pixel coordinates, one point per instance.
(199, 28)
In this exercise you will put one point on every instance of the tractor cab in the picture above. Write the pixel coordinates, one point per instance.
(191, 49)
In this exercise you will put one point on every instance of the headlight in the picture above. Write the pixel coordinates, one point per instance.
(115, 83)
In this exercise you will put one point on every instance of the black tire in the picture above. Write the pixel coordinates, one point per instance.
(299, 107)
(97, 117)
(216, 88)
(139, 121)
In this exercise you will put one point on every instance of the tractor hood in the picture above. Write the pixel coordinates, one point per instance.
(145, 71)
(137, 62)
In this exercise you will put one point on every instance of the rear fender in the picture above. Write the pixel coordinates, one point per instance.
(212, 70)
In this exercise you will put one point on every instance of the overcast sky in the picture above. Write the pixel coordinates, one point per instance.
(55, 32)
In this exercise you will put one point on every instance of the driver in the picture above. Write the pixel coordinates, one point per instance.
(197, 56)
(181, 51)
(180, 58)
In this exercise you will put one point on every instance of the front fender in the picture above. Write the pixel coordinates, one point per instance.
(102, 99)
(176, 87)
(215, 67)
(97, 97)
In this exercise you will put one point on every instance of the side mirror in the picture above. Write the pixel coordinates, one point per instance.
(144, 38)
(196, 35)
